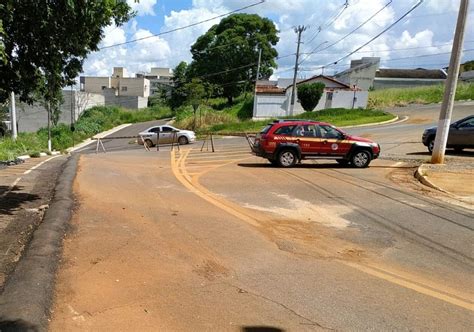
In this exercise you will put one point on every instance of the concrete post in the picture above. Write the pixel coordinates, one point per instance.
(13, 116)
(450, 88)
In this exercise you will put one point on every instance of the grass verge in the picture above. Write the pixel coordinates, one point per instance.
(225, 123)
(91, 122)
(381, 99)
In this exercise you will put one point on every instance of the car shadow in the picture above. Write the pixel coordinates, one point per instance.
(261, 329)
(314, 166)
(468, 153)
(17, 326)
(14, 199)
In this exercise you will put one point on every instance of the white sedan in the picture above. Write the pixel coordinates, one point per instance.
(167, 135)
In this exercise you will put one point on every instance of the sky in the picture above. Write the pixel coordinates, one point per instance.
(414, 42)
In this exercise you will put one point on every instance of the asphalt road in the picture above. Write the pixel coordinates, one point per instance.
(111, 143)
(188, 240)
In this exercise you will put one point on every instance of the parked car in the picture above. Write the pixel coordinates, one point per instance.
(461, 135)
(285, 142)
(167, 135)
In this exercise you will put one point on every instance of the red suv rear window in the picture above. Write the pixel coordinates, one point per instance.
(266, 129)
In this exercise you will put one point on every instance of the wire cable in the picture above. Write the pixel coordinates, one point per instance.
(347, 35)
(184, 27)
(380, 33)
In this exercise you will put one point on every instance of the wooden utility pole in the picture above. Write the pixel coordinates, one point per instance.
(450, 89)
(299, 30)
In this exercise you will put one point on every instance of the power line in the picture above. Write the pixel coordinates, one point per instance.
(427, 55)
(330, 22)
(184, 27)
(397, 49)
(390, 60)
(380, 33)
(347, 35)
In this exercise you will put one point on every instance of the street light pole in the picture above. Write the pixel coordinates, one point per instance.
(450, 88)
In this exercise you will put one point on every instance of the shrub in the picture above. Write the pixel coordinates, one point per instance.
(35, 154)
(309, 95)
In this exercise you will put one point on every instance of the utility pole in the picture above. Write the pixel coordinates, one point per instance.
(299, 30)
(450, 87)
(256, 80)
(13, 116)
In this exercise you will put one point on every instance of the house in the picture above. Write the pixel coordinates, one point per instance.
(361, 73)
(119, 89)
(160, 79)
(366, 74)
(272, 100)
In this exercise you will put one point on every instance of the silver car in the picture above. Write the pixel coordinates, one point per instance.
(167, 134)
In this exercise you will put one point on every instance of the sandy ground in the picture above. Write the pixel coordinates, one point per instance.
(189, 244)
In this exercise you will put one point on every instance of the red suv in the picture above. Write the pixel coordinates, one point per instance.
(285, 142)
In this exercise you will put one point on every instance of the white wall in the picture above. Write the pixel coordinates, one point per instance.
(345, 99)
(268, 106)
(95, 84)
(30, 118)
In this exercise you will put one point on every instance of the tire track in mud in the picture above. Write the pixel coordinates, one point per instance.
(403, 279)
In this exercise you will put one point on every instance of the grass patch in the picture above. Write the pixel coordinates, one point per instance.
(227, 123)
(91, 122)
(419, 95)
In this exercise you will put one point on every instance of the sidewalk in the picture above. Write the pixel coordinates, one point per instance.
(455, 178)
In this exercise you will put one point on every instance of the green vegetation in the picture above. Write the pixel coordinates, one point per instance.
(309, 95)
(46, 51)
(419, 95)
(213, 60)
(91, 122)
(237, 118)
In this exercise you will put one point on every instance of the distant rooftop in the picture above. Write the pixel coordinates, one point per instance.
(411, 73)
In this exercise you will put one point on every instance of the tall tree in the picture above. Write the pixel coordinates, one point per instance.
(45, 42)
(231, 48)
(178, 93)
(195, 93)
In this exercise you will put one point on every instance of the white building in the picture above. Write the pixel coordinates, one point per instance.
(273, 100)
(119, 89)
(160, 79)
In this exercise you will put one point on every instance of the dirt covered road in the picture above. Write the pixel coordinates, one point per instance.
(191, 241)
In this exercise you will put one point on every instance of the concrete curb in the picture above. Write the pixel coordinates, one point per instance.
(378, 123)
(42, 154)
(420, 175)
(28, 294)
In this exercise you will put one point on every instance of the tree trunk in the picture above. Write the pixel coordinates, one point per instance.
(229, 100)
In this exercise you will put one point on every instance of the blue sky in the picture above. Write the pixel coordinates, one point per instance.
(414, 42)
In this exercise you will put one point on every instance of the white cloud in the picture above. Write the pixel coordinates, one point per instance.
(442, 6)
(143, 7)
(113, 35)
(180, 41)
(136, 57)
(426, 29)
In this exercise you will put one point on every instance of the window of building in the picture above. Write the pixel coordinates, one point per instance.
(103, 87)
(124, 88)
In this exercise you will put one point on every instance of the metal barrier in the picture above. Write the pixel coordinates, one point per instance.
(100, 144)
(208, 139)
